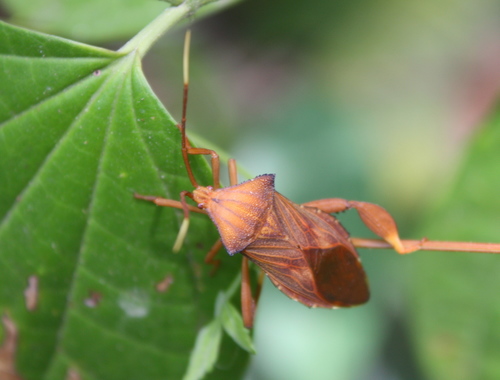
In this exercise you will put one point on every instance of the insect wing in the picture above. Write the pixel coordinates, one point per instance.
(307, 255)
(339, 276)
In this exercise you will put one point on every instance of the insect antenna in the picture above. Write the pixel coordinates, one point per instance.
(182, 125)
(187, 150)
(181, 235)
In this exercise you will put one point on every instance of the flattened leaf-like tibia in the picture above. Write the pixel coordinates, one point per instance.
(240, 211)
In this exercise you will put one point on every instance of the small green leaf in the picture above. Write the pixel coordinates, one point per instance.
(205, 351)
(233, 324)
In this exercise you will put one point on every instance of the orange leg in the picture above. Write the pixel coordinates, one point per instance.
(432, 245)
(209, 258)
(215, 162)
(260, 281)
(376, 219)
(183, 205)
(382, 223)
(159, 201)
(247, 301)
(233, 172)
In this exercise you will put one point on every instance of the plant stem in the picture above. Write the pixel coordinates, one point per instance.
(143, 40)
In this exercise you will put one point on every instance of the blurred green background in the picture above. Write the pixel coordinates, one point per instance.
(367, 100)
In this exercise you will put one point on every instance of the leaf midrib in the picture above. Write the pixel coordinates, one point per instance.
(120, 66)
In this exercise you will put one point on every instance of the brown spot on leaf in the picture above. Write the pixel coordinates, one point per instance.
(31, 293)
(93, 299)
(164, 284)
(73, 375)
(8, 351)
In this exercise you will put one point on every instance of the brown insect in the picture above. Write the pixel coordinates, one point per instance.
(303, 250)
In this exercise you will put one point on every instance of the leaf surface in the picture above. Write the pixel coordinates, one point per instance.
(80, 132)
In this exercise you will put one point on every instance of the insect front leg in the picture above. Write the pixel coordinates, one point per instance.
(215, 162)
(375, 217)
(182, 204)
(159, 201)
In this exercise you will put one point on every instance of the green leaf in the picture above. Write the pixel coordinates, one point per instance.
(455, 308)
(233, 325)
(205, 351)
(80, 132)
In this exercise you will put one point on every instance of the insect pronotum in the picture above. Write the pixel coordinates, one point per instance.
(303, 249)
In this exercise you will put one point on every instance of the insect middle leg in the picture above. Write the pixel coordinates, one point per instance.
(375, 217)
(210, 256)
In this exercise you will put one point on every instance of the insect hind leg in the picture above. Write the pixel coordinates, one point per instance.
(375, 217)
